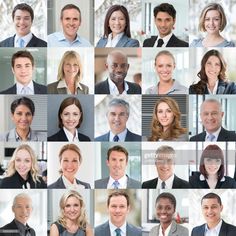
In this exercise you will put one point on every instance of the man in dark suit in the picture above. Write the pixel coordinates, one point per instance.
(23, 16)
(117, 161)
(118, 206)
(211, 115)
(211, 209)
(22, 63)
(165, 168)
(22, 208)
(164, 17)
(117, 116)
(117, 67)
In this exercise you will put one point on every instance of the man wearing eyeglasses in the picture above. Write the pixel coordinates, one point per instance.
(165, 169)
(211, 115)
(117, 67)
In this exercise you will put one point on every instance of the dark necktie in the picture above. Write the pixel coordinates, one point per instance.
(118, 230)
(160, 42)
(116, 138)
(163, 185)
(27, 231)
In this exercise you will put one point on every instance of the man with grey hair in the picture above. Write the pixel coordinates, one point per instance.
(22, 208)
(117, 116)
(117, 66)
(211, 115)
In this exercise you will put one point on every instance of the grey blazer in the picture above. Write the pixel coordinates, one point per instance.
(131, 183)
(52, 89)
(125, 41)
(104, 230)
(175, 230)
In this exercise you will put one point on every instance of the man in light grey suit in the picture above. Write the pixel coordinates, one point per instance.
(117, 161)
(118, 206)
(117, 116)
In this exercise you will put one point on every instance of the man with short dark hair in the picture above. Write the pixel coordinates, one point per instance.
(165, 18)
(23, 16)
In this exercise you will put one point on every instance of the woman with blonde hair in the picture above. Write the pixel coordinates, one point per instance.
(166, 124)
(72, 219)
(22, 171)
(70, 72)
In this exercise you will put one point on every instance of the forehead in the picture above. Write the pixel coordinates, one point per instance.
(117, 58)
(23, 152)
(21, 13)
(71, 108)
(70, 154)
(207, 106)
(210, 201)
(164, 201)
(213, 58)
(165, 155)
(164, 59)
(163, 15)
(117, 13)
(22, 60)
(163, 105)
(70, 13)
(117, 108)
(118, 200)
(72, 199)
(116, 154)
(212, 13)
(23, 201)
(22, 107)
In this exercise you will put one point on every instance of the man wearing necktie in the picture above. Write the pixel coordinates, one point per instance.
(164, 18)
(118, 207)
(117, 161)
(22, 209)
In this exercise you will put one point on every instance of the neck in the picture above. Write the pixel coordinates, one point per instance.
(213, 36)
(213, 224)
(23, 133)
(115, 177)
(72, 131)
(70, 38)
(70, 178)
(165, 225)
(212, 177)
(120, 86)
(164, 177)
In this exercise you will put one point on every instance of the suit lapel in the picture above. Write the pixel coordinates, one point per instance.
(122, 41)
(107, 229)
(223, 229)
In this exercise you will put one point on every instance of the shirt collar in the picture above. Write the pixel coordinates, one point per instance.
(215, 88)
(112, 42)
(202, 178)
(113, 228)
(71, 186)
(21, 227)
(168, 182)
(216, 134)
(165, 39)
(166, 231)
(113, 89)
(121, 136)
(20, 86)
(18, 138)
(215, 230)
(26, 39)
(61, 37)
(122, 182)
(175, 87)
(70, 136)
(62, 84)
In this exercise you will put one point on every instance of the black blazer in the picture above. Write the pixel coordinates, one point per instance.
(177, 183)
(224, 135)
(60, 185)
(34, 42)
(173, 42)
(61, 136)
(195, 182)
(103, 88)
(13, 226)
(38, 89)
(225, 230)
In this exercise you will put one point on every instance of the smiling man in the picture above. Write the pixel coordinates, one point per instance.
(117, 161)
(164, 18)
(23, 16)
(118, 207)
(211, 209)
(70, 22)
(22, 63)
(211, 115)
(22, 209)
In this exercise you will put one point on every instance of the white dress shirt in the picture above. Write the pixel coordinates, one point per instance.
(70, 136)
(122, 182)
(26, 39)
(165, 39)
(113, 228)
(214, 231)
(114, 90)
(121, 136)
(71, 186)
(216, 134)
(20, 88)
(168, 182)
(112, 42)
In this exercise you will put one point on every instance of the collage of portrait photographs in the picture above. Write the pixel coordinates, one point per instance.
(117, 118)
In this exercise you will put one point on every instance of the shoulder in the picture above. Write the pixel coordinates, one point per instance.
(198, 137)
(101, 183)
(39, 88)
(38, 136)
(52, 87)
(133, 88)
(230, 182)
(6, 42)
(101, 42)
(83, 137)
(230, 228)
(133, 183)
(10, 90)
(84, 42)
(150, 183)
(180, 183)
(130, 136)
(104, 137)
(8, 182)
(176, 42)
(132, 42)
(56, 136)
(197, 43)
(86, 185)
(133, 230)
(151, 90)
(100, 228)
(227, 43)
(195, 230)
(102, 87)
(154, 230)
(38, 42)
(149, 42)
(57, 184)
(85, 89)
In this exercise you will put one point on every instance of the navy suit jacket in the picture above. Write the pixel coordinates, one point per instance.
(225, 230)
(173, 42)
(129, 137)
(177, 183)
(125, 41)
(224, 135)
(38, 89)
(13, 226)
(103, 88)
(61, 136)
(104, 230)
(34, 42)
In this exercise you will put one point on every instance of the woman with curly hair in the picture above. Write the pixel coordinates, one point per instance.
(22, 171)
(212, 76)
(166, 121)
(72, 219)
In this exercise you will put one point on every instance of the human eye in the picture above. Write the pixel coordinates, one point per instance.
(28, 114)
(66, 114)
(27, 160)
(75, 160)
(19, 113)
(159, 111)
(75, 114)
(17, 160)
(65, 160)
(67, 205)
(207, 19)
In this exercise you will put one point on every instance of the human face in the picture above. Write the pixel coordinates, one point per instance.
(118, 210)
(165, 115)
(70, 164)
(71, 68)
(117, 23)
(23, 163)
(117, 67)
(117, 117)
(23, 70)
(212, 22)
(70, 23)
(70, 117)
(164, 23)
(165, 165)
(212, 165)
(72, 208)
(22, 117)
(22, 209)
(23, 22)
(164, 66)
(211, 210)
(212, 68)
(117, 164)
(211, 116)
(165, 211)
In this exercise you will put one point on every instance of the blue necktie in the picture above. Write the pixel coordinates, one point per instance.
(116, 138)
(21, 42)
(118, 230)
(116, 184)
(211, 137)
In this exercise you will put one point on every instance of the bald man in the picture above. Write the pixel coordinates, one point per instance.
(117, 66)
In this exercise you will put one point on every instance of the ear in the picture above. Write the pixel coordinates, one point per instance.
(107, 162)
(12, 69)
(222, 114)
(106, 65)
